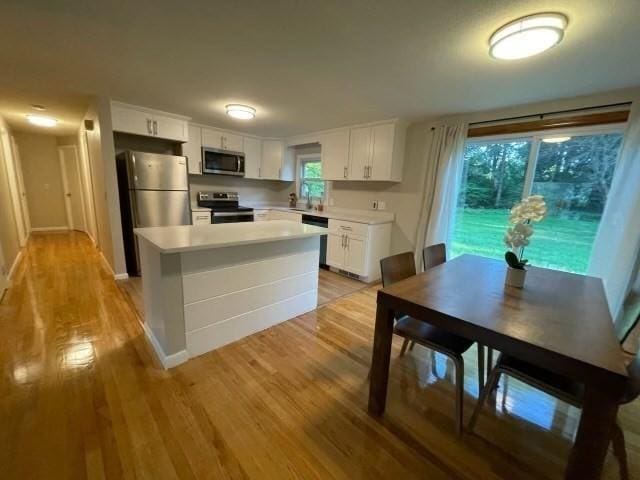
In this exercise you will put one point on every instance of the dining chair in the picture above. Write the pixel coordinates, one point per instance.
(399, 267)
(567, 390)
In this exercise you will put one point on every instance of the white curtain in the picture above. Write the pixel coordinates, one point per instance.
(441, 184)
(617, 244)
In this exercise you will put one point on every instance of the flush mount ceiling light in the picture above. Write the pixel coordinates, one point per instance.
(38, 107)
(42, 121)
(241, 112)
(527, 36)
(556, 139)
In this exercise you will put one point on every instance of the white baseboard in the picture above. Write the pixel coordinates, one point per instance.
(15, 264)
(120, 276)
(167, 361)
(62, 228)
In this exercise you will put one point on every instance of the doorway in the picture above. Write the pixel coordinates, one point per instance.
(71, 185)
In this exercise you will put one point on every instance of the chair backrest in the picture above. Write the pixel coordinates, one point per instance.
(397, 267)
(434, 255)
(629, 317)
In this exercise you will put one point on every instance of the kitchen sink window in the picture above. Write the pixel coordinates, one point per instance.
(310, 180)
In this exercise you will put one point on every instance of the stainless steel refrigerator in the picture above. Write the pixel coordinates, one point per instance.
(154, 192)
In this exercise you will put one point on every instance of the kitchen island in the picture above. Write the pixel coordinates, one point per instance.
(205, 286)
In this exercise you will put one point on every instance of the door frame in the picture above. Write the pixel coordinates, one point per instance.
(10, 168)
(65, 186)
(24, 204)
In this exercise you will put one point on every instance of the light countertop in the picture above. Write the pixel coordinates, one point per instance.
(186, 238)
(338, 215)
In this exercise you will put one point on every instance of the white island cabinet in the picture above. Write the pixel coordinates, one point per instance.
(207, 286)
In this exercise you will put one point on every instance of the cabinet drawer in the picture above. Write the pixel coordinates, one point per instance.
(201, 218)
(352, 228)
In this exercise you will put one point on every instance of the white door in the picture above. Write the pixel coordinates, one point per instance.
(335, 155)
(14, 190)
(71, 186)
(193, 150)
(354, 257)
(382, 151)
(233, 142)
(170, 128)
(271, 164)
(22, 190)
(335, 250)
(252, 148)
(359, 152)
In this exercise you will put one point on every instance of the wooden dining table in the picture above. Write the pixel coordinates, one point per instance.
(559, 321)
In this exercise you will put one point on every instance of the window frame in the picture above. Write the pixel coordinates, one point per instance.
(535, 137)
(301, 160)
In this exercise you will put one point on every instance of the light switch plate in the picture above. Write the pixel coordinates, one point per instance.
(382, 205)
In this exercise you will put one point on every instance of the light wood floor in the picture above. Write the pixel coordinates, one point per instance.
(82, 396)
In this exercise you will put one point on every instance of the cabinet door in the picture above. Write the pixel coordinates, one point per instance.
(335, 155)
(211, 138)
(335, 250)
(354, 257)
(271, 164)
(128, 120)
(193, 150)
(252, 154)
(359, 153)
(170, 128)
(232, 142)
(382, 151)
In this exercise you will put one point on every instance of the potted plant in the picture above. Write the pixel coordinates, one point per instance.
(523, 214)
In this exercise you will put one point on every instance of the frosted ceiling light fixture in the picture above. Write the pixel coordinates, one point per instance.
(241, 112)
(42, 121)
(38, 107)
(556, 139)
(527, 36)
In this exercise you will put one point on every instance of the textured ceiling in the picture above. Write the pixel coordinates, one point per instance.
(305, 65)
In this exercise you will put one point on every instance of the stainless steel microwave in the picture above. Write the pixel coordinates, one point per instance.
(222, 162)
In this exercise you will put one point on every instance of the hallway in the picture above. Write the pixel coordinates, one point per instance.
(81, 395)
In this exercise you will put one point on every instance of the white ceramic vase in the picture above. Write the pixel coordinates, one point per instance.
(515, 277)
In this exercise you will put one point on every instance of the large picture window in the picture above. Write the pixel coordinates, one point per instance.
(311, 182)
(573, 170)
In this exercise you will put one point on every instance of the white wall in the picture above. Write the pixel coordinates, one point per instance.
(42, 180)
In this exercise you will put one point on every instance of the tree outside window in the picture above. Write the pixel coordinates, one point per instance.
(311, 182)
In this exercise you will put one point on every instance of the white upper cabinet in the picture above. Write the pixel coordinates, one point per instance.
(150, 123)
(359, 153)
(222, 140)
(377, 152)
(193, 150)
(272, 155)
(252, 157)
(335, 155)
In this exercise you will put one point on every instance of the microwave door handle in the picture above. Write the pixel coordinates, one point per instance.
(238, 160)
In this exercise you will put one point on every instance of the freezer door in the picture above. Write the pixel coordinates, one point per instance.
(155, 208)
(149, 171)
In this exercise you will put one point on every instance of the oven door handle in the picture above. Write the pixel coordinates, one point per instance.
(230, 214)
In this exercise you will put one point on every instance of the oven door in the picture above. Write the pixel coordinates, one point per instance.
(231, 217)
(222, 162)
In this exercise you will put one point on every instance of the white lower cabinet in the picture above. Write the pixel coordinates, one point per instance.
(357, 248)
(201, 218)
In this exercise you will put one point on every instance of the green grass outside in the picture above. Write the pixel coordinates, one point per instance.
(558, 243)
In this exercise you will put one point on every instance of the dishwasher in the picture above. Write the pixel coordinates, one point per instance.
(319, 222)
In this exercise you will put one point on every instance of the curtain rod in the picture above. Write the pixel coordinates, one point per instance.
(542, 115)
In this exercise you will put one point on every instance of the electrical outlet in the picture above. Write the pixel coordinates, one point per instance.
(375, 205)
(382, 205)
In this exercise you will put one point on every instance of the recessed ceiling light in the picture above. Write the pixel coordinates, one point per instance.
(556, 139)
(38, 107)
(241, 112)
(527, 36)
(42, 121)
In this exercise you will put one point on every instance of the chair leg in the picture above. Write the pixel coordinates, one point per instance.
(405, 343)
(433, 364)
(480, 367)
(459, 365)
(619, 450)
(489, 361)
(492, 381)
(413, 344)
